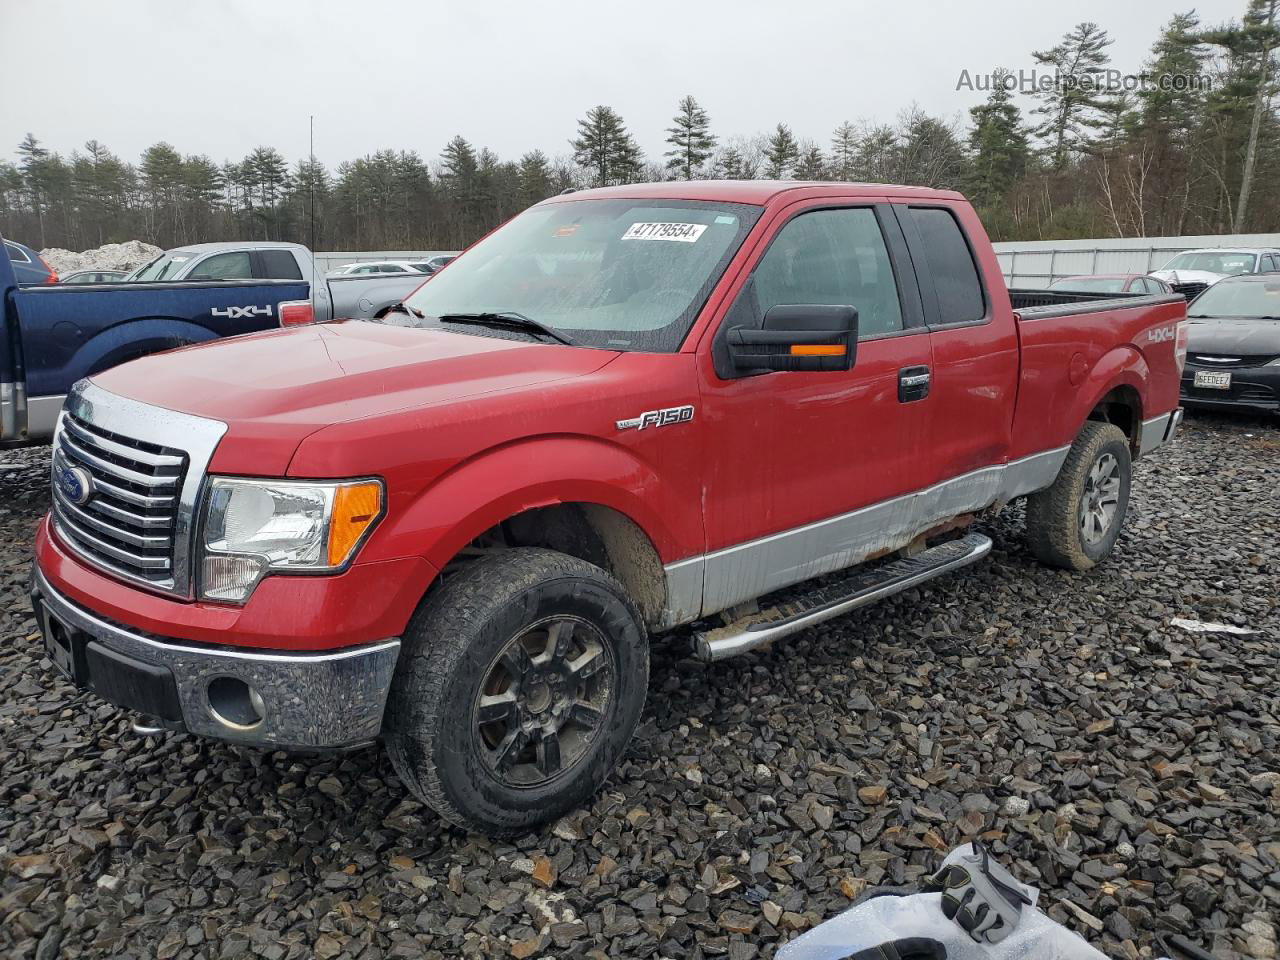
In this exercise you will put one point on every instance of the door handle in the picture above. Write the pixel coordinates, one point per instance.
(913, 384)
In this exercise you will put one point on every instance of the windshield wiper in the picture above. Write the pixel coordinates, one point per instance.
(508, 318)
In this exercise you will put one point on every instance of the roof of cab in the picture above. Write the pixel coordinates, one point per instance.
(237, 245)
(759, 192)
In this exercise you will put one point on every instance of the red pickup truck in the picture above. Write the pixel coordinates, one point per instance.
(626, 410)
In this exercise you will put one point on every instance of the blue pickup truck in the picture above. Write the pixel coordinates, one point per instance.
(51, 336)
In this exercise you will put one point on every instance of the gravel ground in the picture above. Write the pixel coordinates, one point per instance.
(1129, 768)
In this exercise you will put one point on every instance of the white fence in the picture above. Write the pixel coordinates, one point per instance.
(1038, 263)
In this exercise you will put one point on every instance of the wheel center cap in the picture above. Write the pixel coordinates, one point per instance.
(537, 697)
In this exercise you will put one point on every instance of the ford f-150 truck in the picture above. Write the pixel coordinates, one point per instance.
(56, 335)
(747, 406)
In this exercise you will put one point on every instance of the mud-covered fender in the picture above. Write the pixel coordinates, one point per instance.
(492, 486)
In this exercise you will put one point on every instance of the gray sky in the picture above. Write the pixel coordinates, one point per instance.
(223, 76)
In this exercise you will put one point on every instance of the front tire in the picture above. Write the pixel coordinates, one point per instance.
(1074, 524)
(519, 685)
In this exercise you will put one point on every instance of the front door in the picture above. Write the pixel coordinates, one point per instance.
(807, 472)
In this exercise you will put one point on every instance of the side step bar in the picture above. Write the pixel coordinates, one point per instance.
(836, 599)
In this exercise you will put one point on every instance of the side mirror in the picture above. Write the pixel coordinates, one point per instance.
(798, 336)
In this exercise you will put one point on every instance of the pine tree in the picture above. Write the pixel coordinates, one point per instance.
(1237, 105)
(605, 148)
(691, 140)
(535, 182)
(1070, 105)
(811, 165)
(997, 145)
(33, 159)
(844, 152)
(781, 152)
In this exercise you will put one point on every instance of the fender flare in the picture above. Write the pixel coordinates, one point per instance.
(1122, 366)
(479, 493)
(133, 339)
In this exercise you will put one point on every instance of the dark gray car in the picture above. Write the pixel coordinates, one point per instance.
(1233, 345)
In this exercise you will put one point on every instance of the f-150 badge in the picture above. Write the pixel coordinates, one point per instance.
(658, 418)
(240, 313)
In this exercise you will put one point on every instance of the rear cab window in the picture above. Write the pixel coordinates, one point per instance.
(944, 260)
(278, 265)
(16, 253)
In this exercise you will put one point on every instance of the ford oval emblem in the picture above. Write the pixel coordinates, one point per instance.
(76, 484)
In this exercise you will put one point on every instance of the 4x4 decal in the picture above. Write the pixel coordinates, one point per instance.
(241, 313)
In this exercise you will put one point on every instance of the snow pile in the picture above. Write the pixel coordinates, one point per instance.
(111, 256)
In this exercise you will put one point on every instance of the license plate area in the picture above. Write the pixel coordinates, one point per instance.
(60, 642)
(1213, 379)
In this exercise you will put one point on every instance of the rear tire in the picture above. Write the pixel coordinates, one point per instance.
(1074, 524)
(519, 686)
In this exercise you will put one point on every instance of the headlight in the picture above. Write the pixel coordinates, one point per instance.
(254, 527)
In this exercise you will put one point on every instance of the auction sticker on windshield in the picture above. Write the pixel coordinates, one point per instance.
(680, 232)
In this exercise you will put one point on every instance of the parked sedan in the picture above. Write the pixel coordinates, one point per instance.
(1233, 345)
(372, 267)
(28, 266)
(1112, 283)
(95, 276)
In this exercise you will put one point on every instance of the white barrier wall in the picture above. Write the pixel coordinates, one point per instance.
(1038, 263)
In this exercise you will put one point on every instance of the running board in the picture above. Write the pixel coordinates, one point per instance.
(836, 599)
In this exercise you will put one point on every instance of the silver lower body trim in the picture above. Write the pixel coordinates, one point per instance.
(703, 585)
(1158, 431)
(309, 700)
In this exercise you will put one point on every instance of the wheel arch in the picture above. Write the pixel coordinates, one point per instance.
(1119, 383)
(580, 496)
(132, 339)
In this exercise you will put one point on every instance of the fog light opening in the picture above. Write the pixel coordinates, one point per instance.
(235, 704)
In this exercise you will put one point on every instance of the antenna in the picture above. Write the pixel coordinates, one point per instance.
(311, 183)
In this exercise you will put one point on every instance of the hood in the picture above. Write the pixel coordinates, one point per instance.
(273, 388)
(1187, 276)
(1234, 337)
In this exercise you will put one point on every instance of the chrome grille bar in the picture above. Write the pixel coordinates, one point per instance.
(84, 436)
(142, 469)
(83, 519)
(114, 469)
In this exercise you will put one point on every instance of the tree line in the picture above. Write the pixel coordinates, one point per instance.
(1193, 148)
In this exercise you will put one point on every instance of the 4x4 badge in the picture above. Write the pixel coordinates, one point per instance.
(658, 418)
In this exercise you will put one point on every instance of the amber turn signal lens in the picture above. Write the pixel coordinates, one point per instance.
(818, 350)
(355, 507)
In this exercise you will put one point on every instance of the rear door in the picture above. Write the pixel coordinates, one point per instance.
(974, 342)
(791, 457)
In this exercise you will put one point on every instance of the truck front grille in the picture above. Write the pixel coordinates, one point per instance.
(124, 518)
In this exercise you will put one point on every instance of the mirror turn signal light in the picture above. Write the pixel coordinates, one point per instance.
(818, 350)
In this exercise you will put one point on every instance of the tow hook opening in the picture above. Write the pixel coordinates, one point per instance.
(235, 704)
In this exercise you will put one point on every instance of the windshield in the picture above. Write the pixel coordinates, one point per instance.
(619, 274)
(1258, 299)
(1090, 284)
(164, 267)
(1219, 261)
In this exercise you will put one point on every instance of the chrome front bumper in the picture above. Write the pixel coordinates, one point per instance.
(302, 700)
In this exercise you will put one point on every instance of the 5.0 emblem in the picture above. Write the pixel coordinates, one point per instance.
(658, 418)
